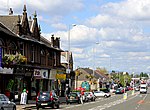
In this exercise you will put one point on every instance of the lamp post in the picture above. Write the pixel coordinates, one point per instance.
(133, 85)
(94, 51)
(125, 94)
(69, 48)
(68, 54)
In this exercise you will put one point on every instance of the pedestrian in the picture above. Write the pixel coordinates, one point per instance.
(81, 96)
(23, 100)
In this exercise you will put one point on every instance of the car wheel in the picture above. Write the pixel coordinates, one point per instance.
(57, 106)
(53, 105)
(79, 102)
(67, 102)
(14, 108)
(105, 95)
(37, 107)
(1, 108)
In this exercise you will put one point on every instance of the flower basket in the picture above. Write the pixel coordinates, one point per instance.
(10, 59)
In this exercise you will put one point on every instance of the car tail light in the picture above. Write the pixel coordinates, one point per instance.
(51, 96)
(76, 97)
(37, 97)
(66, 97)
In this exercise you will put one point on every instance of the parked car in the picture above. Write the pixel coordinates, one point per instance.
(119, 91)
(90, 96)
(73, 97)
(47, 99)
(5, 104)
(137, 88)
(101, 94)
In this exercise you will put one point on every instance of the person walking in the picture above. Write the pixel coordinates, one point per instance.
(23, 100)
(81, 96)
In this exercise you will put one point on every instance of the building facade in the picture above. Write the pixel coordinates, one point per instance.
(20, 36)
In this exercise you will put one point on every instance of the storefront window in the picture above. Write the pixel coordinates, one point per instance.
(33, 88)
(18, 86)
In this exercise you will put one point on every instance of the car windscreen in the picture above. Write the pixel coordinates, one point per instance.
(73, 94)
(44, 95)
(143, 87)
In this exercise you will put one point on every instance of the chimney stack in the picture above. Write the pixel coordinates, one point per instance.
(10, 11)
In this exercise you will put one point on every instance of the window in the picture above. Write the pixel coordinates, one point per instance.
(32, 53)
(2, 47)
(50, 58)
(12, 48)
(55, 61)
(21, 48)
(43, 57)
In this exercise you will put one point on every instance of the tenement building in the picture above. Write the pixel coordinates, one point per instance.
(28, 60)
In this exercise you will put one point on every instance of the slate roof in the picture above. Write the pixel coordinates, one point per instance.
(10, 21)
(4, 29)
(90, 71)
(87, 71)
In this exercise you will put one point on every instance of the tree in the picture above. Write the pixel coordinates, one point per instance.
(102, 70)
(90, 77)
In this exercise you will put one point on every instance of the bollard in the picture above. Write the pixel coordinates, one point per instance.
(125, 96)
(132, 92)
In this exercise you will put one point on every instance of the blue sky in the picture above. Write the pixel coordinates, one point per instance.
(113, 34)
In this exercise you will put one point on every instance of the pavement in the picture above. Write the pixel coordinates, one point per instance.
(32, 103)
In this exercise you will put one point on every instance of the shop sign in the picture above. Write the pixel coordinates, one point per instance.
(61, 76)
(60, 71)
(44, 74)
(37, 73)
(6, 70)
(52, 74)
(0, 57)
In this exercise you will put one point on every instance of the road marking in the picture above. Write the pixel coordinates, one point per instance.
(119, 101)
(141, 101)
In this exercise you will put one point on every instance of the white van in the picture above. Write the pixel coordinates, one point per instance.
(143, 88)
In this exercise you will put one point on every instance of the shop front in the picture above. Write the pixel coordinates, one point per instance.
(39, 81)
(6, 81)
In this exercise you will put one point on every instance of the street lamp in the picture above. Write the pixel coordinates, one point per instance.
(68, 55)
(125, 94)
(133, 85)
(94, 51)
(68, 71)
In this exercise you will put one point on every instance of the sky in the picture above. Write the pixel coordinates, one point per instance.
(111, 34)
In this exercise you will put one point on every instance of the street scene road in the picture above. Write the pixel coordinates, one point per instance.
(134, 101)
(75, 55)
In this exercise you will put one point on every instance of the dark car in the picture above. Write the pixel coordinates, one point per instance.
(47, 99)
(119, 91)
(73, 97)
(5, 104)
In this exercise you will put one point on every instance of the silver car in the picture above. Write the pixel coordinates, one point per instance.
(5, 104)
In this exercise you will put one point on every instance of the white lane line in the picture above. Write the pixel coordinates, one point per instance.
(112, 103)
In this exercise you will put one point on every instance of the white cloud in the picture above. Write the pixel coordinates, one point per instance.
(132, 9)
(119, 25)
(59, 26)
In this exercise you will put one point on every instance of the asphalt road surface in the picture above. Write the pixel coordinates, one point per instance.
(115, 102)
